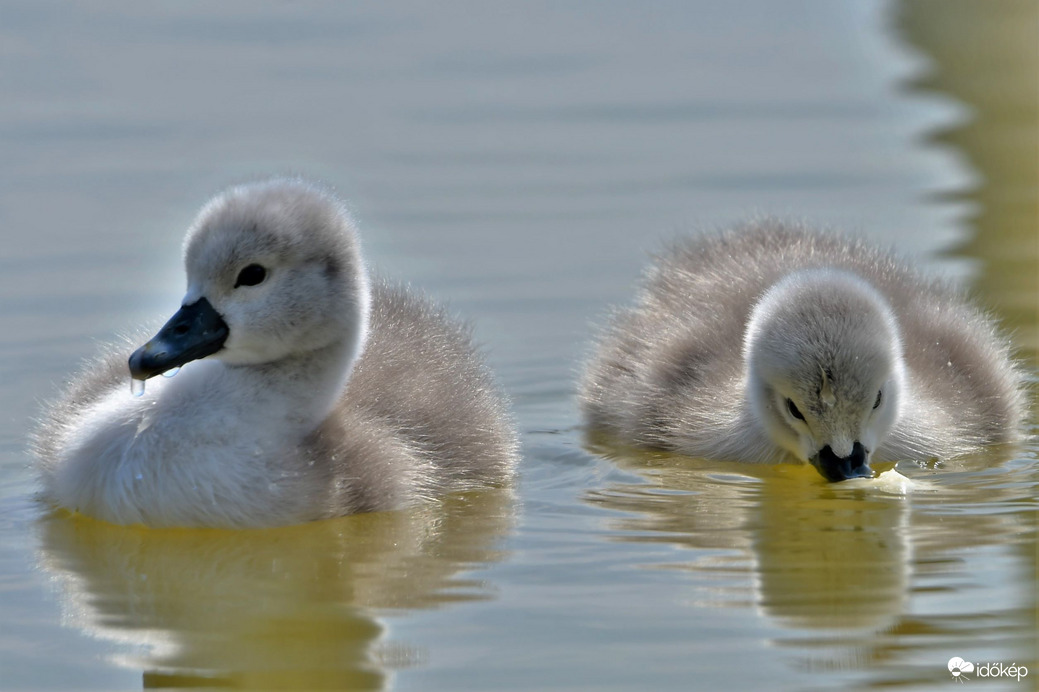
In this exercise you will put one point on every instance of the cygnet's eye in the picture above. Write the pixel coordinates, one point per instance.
(876, 404)
(250, 276)
(792, 408)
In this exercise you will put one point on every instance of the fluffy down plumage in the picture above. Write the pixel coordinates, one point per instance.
(773, 341)
(329, 394)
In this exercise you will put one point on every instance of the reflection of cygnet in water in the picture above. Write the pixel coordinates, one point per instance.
(324, 395)
(772, 342)
(833, 556)
(819, 556)
(287, 608)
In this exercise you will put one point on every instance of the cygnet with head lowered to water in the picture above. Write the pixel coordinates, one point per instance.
(305, 391)
(772, 341)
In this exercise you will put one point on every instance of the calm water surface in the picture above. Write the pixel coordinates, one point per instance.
(519, 161)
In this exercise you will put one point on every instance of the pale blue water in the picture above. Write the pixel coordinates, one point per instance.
(519, 161)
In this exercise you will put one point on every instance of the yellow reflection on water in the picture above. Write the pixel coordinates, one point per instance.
(822, 555)
(986, 56)
(289, 608)
(833, 566)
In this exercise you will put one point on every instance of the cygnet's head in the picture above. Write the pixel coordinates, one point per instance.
(824, 369)
(273, 270)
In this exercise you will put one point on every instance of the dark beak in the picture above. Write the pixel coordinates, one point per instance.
(196, 331)
(835, 468)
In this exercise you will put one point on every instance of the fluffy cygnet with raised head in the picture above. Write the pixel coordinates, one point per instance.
(305, 392)
(772, 341)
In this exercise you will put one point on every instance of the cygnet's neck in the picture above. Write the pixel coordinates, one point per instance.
(305, 385)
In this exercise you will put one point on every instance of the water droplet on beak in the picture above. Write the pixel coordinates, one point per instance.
(171, 372)
(136, 387)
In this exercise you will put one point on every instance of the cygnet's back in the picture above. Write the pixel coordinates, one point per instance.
(421, 410)
(672, 371)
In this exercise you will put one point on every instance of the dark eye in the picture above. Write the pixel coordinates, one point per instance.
(250, 276)
(792, 408)
(876, 404)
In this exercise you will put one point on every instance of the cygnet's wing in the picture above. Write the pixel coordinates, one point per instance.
(423, 399)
